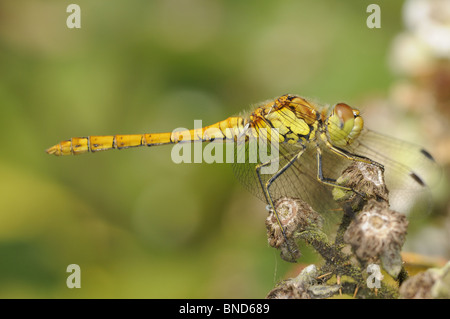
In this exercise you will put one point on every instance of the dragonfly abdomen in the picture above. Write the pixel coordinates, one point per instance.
(228, 129)
(80, 145)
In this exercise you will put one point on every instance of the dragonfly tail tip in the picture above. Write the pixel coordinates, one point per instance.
(52, 150)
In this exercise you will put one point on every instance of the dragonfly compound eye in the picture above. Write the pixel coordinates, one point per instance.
(344, 125)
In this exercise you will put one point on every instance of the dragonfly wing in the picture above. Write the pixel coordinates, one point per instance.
(410, 170)
(298, 180)
(251, 153)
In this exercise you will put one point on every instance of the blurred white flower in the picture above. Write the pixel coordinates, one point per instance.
(429, 20)
(427, 37)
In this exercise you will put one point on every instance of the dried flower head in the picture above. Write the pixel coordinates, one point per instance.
(418, 286)
(295, 216)
(433, 283)
(295, 288)
(364, 178)
(289, 289)
(376, 231)
(304, 286)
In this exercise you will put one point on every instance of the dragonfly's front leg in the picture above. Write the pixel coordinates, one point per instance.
(351, 156)
(332, 182)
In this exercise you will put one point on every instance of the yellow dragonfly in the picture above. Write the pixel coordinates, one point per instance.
(306, 147)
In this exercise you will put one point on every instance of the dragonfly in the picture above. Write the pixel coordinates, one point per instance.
(306, 147)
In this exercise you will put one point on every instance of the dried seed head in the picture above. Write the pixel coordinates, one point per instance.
(295, 216)
(418, 286)
(289, 289)
(295, 288)
(433, 283)
(376, 231)
(366, 179)
(304, 286)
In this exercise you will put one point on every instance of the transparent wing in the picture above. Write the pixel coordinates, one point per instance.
(410, 170)
(298, 180)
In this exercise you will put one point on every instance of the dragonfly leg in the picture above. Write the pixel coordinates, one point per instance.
(332, 182)
(351, 156)
(266, 185)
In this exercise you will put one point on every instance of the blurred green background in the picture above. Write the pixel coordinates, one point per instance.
(139, 225)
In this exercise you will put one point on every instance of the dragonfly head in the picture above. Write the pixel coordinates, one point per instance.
(343, 125)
